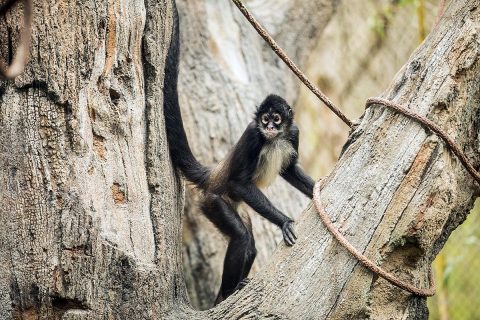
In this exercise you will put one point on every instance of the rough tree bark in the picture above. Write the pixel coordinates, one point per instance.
(91, 209)
(84, 178)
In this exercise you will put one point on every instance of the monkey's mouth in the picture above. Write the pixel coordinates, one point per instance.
(270, 133)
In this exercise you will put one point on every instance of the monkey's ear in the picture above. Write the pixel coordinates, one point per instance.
(290, 112)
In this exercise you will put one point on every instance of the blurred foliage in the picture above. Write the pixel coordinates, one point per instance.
(356, 64)
(456, 273)
(382, 17)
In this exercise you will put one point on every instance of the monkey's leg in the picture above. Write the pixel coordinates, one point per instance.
(241, 250)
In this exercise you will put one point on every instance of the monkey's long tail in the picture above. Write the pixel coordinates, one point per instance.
(180, 152)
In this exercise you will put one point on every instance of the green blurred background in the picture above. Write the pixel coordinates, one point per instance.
(457, 273)
(357, 57)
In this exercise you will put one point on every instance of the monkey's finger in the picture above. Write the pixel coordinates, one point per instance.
(286, 238)
(291, 234)
(244, 282)
(288, 242)
(288, 235)
(292, 231)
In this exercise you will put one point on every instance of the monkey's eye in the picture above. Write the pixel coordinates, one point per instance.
(277, 119)
(265, 118)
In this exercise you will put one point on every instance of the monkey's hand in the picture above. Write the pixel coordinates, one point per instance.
(289, 233)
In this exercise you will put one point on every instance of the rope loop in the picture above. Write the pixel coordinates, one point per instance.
(431, 126)
(344, 242)
(20, 60)
(367, 263)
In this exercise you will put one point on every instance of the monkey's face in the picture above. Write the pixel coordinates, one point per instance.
(271, 124)
(273, 117)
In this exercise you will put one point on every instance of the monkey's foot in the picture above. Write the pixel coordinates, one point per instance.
(289, 233)
(242, 284)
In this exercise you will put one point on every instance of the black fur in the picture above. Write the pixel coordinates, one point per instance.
(233, 180)
(274, 103)
(180, 152)
(293, 173)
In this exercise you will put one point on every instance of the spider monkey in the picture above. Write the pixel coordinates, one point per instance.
(267, 147)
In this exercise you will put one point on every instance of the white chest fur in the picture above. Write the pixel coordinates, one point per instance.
(274, 157)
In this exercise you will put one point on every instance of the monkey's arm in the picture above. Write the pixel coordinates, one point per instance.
(252, 196)
(299, 179)
(294, 173)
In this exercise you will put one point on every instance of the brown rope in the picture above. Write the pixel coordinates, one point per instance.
(344, 242)
(20, 60)
(281, 53)
(360, 257)
(433, 127)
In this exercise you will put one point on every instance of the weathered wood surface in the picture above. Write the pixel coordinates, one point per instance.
(91, 208)
(82, 229)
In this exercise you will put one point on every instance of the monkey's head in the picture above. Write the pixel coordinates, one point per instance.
(274, 117)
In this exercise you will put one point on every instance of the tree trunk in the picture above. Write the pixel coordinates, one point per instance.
(91, 208)
(85, 178)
